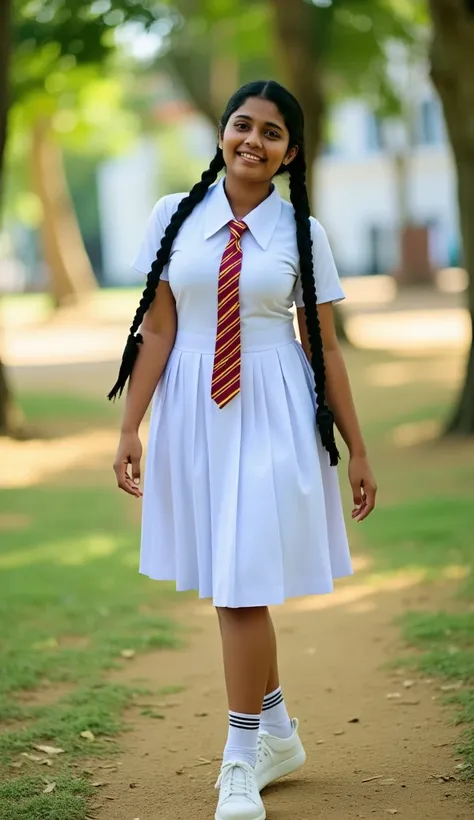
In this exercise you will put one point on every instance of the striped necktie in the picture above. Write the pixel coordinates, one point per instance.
(226, 371)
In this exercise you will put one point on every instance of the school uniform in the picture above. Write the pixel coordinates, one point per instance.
(240, 502)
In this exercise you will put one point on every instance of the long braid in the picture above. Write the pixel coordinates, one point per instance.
(184, 209)
(300, 202)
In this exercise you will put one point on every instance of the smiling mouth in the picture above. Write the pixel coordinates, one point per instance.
(250, 157)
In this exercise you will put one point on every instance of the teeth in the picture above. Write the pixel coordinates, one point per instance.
(250, 156)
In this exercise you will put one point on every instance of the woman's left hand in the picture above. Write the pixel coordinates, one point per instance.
(364, 488)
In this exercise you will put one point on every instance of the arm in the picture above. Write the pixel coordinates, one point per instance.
(159, 332)
(340, 400)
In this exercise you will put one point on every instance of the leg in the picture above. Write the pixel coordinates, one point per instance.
(273, 681)
(248, 643)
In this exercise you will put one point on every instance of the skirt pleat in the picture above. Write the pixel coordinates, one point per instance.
(241, 503)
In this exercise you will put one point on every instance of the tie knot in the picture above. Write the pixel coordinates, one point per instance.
(237, 228)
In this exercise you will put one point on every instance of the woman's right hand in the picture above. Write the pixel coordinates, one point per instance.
(129, 452)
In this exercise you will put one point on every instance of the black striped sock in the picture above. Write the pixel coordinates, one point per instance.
(273, 699)
(275, 719)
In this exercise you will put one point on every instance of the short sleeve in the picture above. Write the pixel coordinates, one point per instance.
(157, 223)
(326, 277)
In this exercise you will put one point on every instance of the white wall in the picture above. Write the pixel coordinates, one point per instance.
(127, 193)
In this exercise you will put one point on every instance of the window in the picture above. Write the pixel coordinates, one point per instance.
(430, 122)
(375, 141)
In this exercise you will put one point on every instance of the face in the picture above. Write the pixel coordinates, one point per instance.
(255, 141)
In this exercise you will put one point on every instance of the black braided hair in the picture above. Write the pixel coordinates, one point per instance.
(292, 113)
(300, 202)
(184, 209)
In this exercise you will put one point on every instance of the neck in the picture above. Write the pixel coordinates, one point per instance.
(243, 198)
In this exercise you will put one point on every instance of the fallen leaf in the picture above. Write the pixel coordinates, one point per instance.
(108, 797)
(443, 778)
(388, 781)
(46, 762)
(408, 683)
(35, 758)
(133, 785)
(88, 735)
(128, 653)
(376, 777)
(16, 765)
(108, 766)
(391, 811)
(179, 771)
(393, 695)
(49, 750)
(98, 784)
(319, 742)
(408, 703)
(337, 734)
(49, 788)
(452, 687)
(201, 714)
(354, 720)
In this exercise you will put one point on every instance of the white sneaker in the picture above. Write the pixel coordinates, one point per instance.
(277, 757)
(239, 797)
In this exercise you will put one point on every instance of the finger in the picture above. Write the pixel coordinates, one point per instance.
(369, 505)
(136, 472)
(124, 482)
(357, 494)
(129, 487)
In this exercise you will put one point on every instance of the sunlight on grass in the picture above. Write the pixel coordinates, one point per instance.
(69, 552)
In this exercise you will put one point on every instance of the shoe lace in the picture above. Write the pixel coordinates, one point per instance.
(235, 779)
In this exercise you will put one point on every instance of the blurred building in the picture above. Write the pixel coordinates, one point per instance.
(358, 184)
(358, 181)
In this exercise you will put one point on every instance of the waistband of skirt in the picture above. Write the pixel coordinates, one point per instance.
(252, 341)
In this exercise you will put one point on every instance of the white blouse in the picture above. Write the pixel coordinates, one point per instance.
(270, 275)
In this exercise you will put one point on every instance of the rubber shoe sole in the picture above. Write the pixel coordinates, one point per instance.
(286, 767)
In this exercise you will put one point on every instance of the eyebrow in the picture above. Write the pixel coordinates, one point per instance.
(250, 119)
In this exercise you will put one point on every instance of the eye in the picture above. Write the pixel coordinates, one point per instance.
(241, 126)
(274, 135)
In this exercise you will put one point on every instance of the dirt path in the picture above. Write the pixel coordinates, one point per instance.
(332, 650)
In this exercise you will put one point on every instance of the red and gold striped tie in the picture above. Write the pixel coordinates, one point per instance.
(226, 371)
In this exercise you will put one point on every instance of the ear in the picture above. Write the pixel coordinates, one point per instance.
(290, 155)
(220, 137)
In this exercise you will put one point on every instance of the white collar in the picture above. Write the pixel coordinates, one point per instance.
(261, 222)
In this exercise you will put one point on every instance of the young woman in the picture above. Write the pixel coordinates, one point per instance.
(241, 496)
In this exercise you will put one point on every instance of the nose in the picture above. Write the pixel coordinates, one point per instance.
(253, 139)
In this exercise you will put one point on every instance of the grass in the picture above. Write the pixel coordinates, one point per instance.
(72, 602)
(24, 799)
(424, 523)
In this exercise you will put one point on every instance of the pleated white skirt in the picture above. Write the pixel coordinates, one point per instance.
(241, 503)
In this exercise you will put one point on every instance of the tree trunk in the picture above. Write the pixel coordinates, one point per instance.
(69, 268)
(11, 418)
(452, 68)
(5, 47)
(12, 422)
(294, 30)
(294, 25)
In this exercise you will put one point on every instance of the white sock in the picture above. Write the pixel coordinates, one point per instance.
(274, 718)
(242, 738)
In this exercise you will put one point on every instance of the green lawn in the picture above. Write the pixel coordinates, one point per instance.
(72, 600)
(71, 603)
